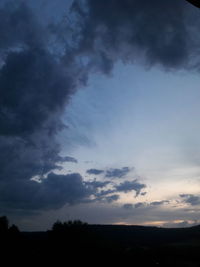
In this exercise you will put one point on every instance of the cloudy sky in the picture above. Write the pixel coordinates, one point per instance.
(99, 112)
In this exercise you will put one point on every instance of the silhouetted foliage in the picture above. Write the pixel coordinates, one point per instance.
(13, 230)
(59, 226)
(4, 224)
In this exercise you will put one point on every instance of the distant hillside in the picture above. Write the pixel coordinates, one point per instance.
(143, 246)
(129, 235)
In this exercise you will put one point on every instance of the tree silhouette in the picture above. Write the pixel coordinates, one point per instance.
(58, 226)
(4, 224)
(14, 230)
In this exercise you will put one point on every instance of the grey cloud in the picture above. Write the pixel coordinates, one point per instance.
(105, 192)
(158, 203)
(191, 199)
(145, 204)
(181, 224)
(97, 184)
(140, 205)
(128, 186)
(107, 196)
(128, 206)
(111, 173)
(124, 187)
(70, 159)
(94, 171)
(117, 173)
(112, 198)
(136, 205)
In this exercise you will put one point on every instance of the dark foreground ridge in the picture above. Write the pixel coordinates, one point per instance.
(74, 242)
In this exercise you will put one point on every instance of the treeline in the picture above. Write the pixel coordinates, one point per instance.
(58, 226)
(5, 228)
(63, 226)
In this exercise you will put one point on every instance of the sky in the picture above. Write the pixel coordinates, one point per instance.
(99, 112)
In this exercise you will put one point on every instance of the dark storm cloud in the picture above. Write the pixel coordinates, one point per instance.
(19, 27)
(35, 87)
(33, 90)
(61, 189)
(53, 192)
(191, 199)
(128, 186)
(129, 30)
(94, 171)
(21, 160)
(117, 173)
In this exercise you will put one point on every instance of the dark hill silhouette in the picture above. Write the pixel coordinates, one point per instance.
(75, 241)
